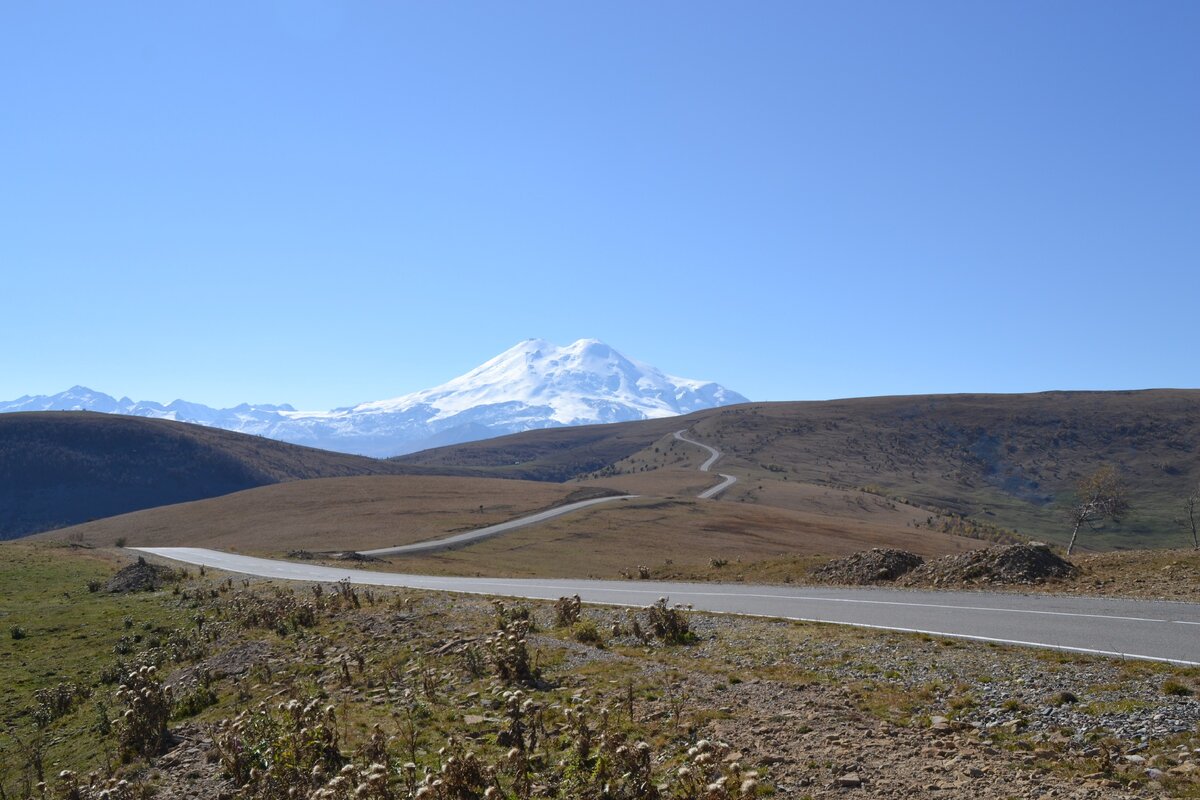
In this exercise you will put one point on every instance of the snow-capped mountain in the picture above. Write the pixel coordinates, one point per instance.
(534, 384)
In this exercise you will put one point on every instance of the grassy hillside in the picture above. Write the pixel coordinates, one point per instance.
(61, 468)
(975, 463)
(1004, 460)
(666, 535)
(549, 454)
(684, 538)
(329, 514)
(1012, 460)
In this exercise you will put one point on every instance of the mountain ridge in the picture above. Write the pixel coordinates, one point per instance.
(534, 384)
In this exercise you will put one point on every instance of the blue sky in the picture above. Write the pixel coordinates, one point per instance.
(324, 203)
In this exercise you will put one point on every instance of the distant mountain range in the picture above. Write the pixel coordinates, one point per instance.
(532, 385)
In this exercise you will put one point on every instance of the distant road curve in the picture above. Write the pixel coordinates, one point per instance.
(714, 454)
(1136, 629)
(448, 542)
(492, 530)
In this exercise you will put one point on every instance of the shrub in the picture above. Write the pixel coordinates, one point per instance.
(669, 623)
(142, 729)
(508, 651)
(505, 614)
(17, 632)
(1176, 689)
(198, 696)
(120, 542)
(566, 611)
(585, 631)
(69, 787)
(54, 702)
(282, 754)
(280, 611)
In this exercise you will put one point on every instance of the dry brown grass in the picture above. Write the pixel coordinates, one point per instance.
(1165, 574)
(604, 540)
(326, 514)
(682, 483)
(1005, 460)
(676, 535)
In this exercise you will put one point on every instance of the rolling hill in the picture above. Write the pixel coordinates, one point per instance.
(62, 468)
(329, 514)
(550, 454)
(1004, 460)
(668, 533)
(976, 464)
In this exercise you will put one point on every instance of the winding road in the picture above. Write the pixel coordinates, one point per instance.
(447, 542)
(1136, 629)
(714, 454)
(467, 537)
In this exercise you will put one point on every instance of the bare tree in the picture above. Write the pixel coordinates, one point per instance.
(1189, 506)
(1098, 497)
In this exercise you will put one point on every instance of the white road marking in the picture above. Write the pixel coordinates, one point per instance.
(278, 569)
(1045, 645)
(816, 599)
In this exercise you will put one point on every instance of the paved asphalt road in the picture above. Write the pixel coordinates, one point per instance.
(713, 455)
(1137, 629)
(492, 530)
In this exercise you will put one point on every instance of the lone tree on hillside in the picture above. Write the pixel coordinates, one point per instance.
(1189, 507)
(1098, 497)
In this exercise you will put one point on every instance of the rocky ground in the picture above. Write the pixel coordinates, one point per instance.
(140, 576)
(1008, 565)
(903, 717)
(1029, 567)
(877, 565)
(797, 710)
(831, 713)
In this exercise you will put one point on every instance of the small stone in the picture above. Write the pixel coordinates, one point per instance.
(849, 781)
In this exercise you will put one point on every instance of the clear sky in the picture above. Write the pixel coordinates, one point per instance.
(325, 203)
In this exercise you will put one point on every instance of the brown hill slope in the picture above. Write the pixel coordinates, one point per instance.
(549, 454)
(329, 514)
(64, 467)
(683, 538)
(1007, 460)
(337, 514)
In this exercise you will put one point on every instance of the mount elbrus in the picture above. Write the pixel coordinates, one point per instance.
(534, 384)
